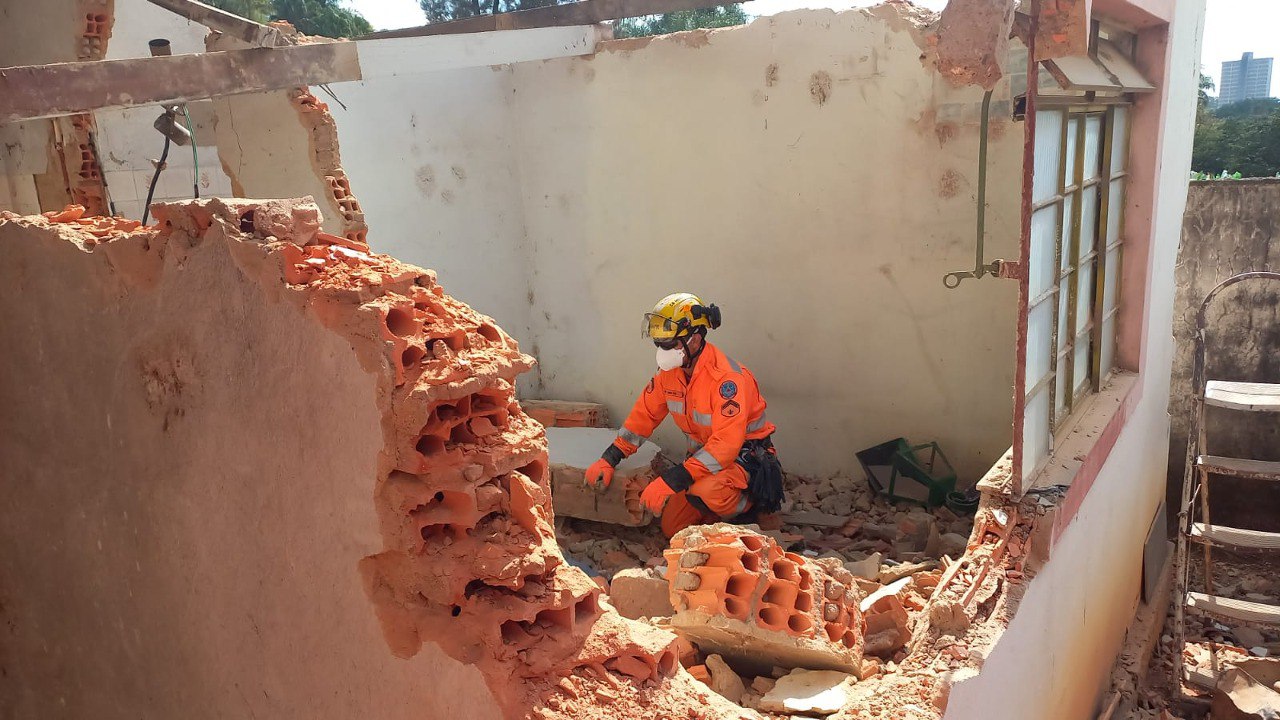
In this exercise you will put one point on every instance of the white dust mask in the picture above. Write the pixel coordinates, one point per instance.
(670, 359)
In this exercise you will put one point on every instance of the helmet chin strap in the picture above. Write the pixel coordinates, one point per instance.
(691, 358)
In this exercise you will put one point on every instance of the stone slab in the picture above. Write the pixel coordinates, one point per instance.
(572, 451)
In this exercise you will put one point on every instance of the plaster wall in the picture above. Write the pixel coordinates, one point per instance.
(432, 159)
(190, 548)
(1053, 660)
(810, 175)
(1229, 228)
(126, 140)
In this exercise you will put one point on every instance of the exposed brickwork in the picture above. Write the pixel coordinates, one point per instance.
(322, 133)
(742, 585)
(462, 493)
(566, 414)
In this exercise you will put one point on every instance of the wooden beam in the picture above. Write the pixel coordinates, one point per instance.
(254, 33)
(586, 12)
(36, 91)
(39, 91)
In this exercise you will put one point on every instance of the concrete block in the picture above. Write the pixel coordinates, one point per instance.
(572, 451)
(809, 692)
(566, 414)
(636, 594)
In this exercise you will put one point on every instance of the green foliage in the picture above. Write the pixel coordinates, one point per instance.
(445, 10)
(1237, 140)
(312, 17)
(713, 17)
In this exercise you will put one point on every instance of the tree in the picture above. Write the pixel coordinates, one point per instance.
(712, 17)
(1242, 137)
(446, 10)
(1253, 107)
(311, 17)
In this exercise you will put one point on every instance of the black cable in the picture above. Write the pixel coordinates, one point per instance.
(164, 154)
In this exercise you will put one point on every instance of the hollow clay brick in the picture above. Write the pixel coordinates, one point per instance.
(738, 594)
(462, 489)
(565, 414)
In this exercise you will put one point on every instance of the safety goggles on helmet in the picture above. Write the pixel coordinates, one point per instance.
(662, 329)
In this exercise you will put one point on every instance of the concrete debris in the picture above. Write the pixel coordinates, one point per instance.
(723, 680)
(572, 451)
(638, 593)
(809, 692)
(1247, 691)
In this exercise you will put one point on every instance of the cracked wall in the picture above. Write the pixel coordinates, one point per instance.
(236, 368)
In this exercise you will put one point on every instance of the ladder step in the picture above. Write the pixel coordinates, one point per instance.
(1237, 537)
(1240, 467)
(1242, 610)
(1257, 397)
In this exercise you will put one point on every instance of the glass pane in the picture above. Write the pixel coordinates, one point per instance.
(1108, 350)
(1044, 235)
(1112, 281)
(1092, 146)
(1035, 432)
(1060, 392)
(1039, 340)
(1080, 372)
(1084, 296)
(1115, 210)
(1068, 222)
(1064, 329)
(1069, 160)
(1088, 220)
(1120, 140)
(1048, 162)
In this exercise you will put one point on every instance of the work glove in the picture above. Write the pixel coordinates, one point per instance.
(655, 495)
(599, 474)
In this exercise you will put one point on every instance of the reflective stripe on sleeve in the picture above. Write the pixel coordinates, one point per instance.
(631, 437)
(757, 424)
(708, 459)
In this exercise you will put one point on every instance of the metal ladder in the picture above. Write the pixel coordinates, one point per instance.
(1238, 396)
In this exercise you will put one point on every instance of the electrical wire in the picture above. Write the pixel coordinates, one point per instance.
(164, 155)
(195, 160)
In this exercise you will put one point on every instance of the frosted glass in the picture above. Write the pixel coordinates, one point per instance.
(1092, 146)
(1039, 342)
(1035, 432)
(1048, 162)
(1044, 236)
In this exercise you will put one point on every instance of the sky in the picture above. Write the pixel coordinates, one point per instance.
(1231, 26)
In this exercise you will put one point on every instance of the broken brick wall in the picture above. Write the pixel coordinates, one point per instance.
(1229, 228)
(188, 467)
(1054, 660)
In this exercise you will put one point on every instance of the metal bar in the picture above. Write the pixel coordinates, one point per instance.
(1100, 273)
(1057, 268)
(1077, 210)
(1024, 257)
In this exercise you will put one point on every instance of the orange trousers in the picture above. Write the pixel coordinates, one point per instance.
(722, 493)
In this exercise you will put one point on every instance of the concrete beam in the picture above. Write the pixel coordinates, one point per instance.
(38, 91)
(254, 33)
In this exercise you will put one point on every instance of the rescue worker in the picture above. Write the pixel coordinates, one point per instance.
(732, 472)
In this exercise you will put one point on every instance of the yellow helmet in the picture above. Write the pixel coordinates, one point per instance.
(679, 315)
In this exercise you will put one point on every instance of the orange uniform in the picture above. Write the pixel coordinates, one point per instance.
(719, 408)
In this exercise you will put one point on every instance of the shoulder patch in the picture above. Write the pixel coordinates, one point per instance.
(728, 389)
(730, 408)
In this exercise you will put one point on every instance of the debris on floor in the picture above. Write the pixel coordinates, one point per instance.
(809, 692)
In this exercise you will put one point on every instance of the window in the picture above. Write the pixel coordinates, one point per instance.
(1078, 186)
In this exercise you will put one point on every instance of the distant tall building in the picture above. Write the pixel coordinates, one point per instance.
(1248, 77)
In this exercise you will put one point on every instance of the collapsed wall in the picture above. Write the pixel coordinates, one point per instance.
(215, 399)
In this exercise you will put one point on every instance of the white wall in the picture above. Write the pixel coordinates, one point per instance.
(1056, 655)
(432, 159)
(706, 162)
(126, 140)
